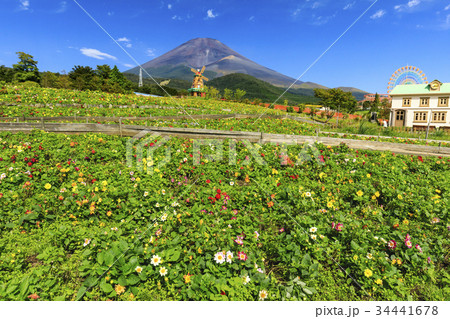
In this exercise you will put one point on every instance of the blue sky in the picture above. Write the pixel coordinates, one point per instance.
(284, 35)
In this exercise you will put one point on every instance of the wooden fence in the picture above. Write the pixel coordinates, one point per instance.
(259, 137)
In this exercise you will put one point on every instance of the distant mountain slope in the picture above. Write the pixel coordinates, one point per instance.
(357, 93)
(256, 88)
(218, 58)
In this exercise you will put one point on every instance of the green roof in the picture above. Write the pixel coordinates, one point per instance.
(423, 88)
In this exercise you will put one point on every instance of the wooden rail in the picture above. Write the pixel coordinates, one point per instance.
(259, 137)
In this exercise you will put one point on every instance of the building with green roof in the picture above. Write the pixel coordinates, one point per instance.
(421, 105)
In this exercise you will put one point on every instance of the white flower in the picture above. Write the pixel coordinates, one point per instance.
(314, 237)
(157, 205)
(156, 260)
(10, 169)
(246, 280)
(260, 270)
(138, 269)
(231, 183)
(3, 176)
(145, 193)
(163, 192)
(308, 194)
(163, 271)
(369, 256)
(164, 217)
(219, 258)
(375, 237)
(115, 228)
(229, 257)
(262, 295)
(86, 242)
(313, 229)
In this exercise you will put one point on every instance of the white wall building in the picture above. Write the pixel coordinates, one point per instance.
(421, 105)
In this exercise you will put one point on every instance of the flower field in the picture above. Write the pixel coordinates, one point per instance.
(266, 222)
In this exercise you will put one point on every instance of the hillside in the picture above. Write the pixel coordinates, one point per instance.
(256, 88)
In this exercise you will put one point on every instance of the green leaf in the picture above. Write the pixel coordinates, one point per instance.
(132, 280)
(175, 256)
(106, 287)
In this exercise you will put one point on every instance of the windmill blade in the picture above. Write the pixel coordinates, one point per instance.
(194, 70)
(203, 69)
(205, 78)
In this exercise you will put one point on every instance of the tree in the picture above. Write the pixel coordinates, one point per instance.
(103, 71)
(375, 105)
(367, 105)
(238, 94)
(228, 94)
(81, 77)
(385, 109)
(6, 74)
(336, 99)
(49, 80)
(26, 69)
(211, 92)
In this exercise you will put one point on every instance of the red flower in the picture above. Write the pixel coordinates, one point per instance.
(208, 181)
(218, 191)
(218, 196)
(34, 296)
(242, 256)
(222, 293)
(392, 244)
(420, 158)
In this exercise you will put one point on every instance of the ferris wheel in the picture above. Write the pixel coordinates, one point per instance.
(406, 75)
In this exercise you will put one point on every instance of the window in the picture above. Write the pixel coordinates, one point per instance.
(407, 101)
(443, 101)
(424, 101)
(400, 115)
(420, 117)
(440, 117)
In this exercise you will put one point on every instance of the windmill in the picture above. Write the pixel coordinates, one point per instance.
(197, 83)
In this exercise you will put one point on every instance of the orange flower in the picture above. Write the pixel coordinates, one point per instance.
(119, 289)
(34, 296)
(270, 204)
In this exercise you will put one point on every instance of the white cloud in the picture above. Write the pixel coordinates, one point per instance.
(96, 54)
(128, 65)
(62, 7)
(24, 5)
(296, 12)
(150, 52)
(169, 6)
(316, 5)
(380, 13)
(123, 39)
(408, 6)
(349, 5)
(251, 19)
(447, 8)
(175, 17)
(110, 13)
(210, 14)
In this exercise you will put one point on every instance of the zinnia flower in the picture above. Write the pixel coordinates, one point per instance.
(219, 257)
(368, 273)
(239, 240)
(339, 226)
(47, 186)
(119, 289)
(262, 295)
(242, 256)
(156, 260)
(246, 280)
(392, 244)
(86, 242)
(408, 243)
(313, 229)
(138, 269)
(163, 271)
(229, 257)
(359, 193)
(419, 248)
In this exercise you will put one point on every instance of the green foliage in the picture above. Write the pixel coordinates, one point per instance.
(336, 99)
(26, 69)
(239, 94)
(228, 94)
(6, 74)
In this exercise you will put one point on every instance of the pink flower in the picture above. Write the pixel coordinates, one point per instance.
(392, 244)
(242, 256)
(429, 260)
(408, 243)
(332, 225)
(281, 230)
(407, 237)
(339, 226)
(419, 248)
(239, 240)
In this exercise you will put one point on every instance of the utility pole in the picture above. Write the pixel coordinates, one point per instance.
(140, 78)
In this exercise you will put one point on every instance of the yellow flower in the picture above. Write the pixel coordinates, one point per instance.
(47, 186)
(406, 222)
(368, 273)
(119, 289)
(377, 194)
(187, 279)
(400, 196)
(199, 250)
(379, 281)
(355, 257)
(359, 193)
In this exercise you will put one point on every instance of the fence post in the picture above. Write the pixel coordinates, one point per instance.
(120, 126)
(42, 124)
